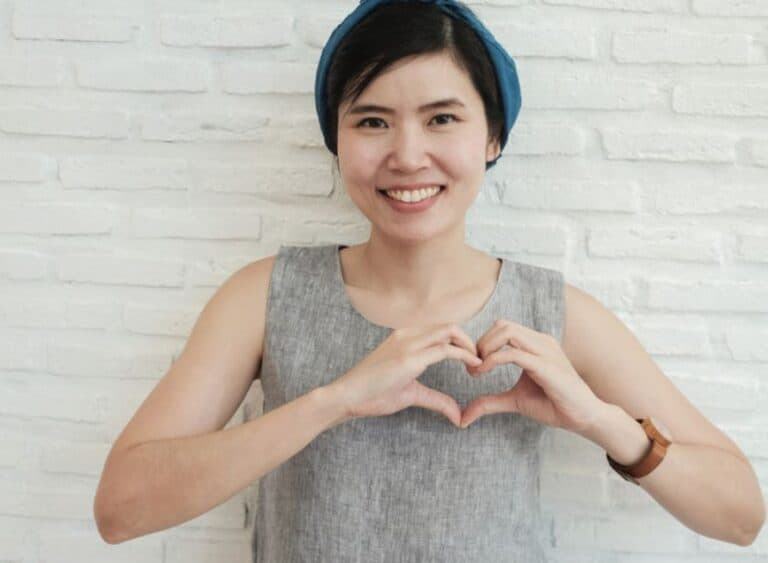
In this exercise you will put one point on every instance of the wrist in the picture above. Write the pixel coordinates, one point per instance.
(602, 417)
(332, 403)
(620, 435)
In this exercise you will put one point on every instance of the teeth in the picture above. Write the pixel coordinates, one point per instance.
(412, 196)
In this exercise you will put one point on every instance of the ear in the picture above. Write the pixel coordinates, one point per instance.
(492, 150)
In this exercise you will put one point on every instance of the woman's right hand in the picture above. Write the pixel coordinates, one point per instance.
(384, 382)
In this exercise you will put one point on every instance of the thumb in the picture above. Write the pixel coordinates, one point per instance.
(439, 402)
(489, 404)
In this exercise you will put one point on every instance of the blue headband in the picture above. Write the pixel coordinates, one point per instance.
(503, 65)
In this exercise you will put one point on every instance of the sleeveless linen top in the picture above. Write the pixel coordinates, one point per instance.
(408, 487)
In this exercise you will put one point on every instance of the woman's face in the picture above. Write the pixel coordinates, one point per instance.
(397, 144)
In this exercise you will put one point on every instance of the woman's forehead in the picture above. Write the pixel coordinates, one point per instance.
(449, 102)
(413, 83)
(426, 65)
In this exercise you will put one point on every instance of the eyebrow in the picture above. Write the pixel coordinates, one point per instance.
(372, 108)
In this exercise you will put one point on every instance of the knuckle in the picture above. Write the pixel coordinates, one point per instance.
(552, 339)
(403, 358)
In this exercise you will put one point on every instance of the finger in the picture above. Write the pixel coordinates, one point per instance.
(487, 404)
(443, 350)
(516, 356)
(513, 334)
(456, 335)
(480, 344)
(432, 399)
(537, 367)
(443, 332)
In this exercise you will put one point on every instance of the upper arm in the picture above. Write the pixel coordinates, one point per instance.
(208, 381)
(611, 360)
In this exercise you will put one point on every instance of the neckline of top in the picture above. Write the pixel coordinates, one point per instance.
(334, 254)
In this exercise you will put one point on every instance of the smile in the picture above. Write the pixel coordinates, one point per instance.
(413, 200)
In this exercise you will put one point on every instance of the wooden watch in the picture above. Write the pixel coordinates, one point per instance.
(660, 439)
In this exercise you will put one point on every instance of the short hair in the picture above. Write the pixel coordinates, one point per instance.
(402, 29)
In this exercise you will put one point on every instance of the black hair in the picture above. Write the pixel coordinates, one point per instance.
(402, 29)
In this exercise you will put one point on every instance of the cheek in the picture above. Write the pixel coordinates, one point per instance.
(459, 153)
(358, 170)
(463, 156)
(358, 156)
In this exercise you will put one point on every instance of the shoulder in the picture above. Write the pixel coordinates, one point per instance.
(256, 272)
(260, 271)
(543, 286)
(256, 276)
(579, 301)
(583, 313)
(303, 256)
(536, 277)
(244, 289)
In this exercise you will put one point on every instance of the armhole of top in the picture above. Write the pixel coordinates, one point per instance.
(559, 317)
(273, 295)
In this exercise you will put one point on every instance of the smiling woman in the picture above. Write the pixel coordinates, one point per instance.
(410, 104)
(383, 361)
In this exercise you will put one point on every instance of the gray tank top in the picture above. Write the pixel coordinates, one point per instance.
(408, 487)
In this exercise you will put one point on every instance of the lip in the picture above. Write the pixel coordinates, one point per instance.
(407, 187)
(403, 207)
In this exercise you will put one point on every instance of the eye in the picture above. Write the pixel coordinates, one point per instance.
(360, 123)
(453, 117)
(375, 119)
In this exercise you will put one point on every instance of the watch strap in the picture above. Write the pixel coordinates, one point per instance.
(657, 449)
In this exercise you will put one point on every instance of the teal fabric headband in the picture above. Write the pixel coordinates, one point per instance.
(504, 66)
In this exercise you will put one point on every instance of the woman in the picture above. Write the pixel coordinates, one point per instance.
(364, 452)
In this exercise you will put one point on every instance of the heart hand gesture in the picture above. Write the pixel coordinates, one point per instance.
(549, 389)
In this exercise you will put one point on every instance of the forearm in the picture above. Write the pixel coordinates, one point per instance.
(710, 490)
(163, 483)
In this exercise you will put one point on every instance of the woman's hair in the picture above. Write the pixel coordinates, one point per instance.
(402, 29)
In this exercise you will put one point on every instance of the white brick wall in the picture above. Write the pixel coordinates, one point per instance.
(142, 160)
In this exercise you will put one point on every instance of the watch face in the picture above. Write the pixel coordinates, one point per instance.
(663, 430)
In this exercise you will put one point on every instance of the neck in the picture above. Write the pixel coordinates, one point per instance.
(421, 273)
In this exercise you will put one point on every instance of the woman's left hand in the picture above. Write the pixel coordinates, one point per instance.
(549, 389)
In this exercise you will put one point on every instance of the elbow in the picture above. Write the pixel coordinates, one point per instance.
(107, 534)
(748, 536)
(114, 500)
(107, 508)
(747, 539)
(105, 525)
(105, 521)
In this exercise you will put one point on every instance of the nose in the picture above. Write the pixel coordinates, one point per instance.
(410, 148)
